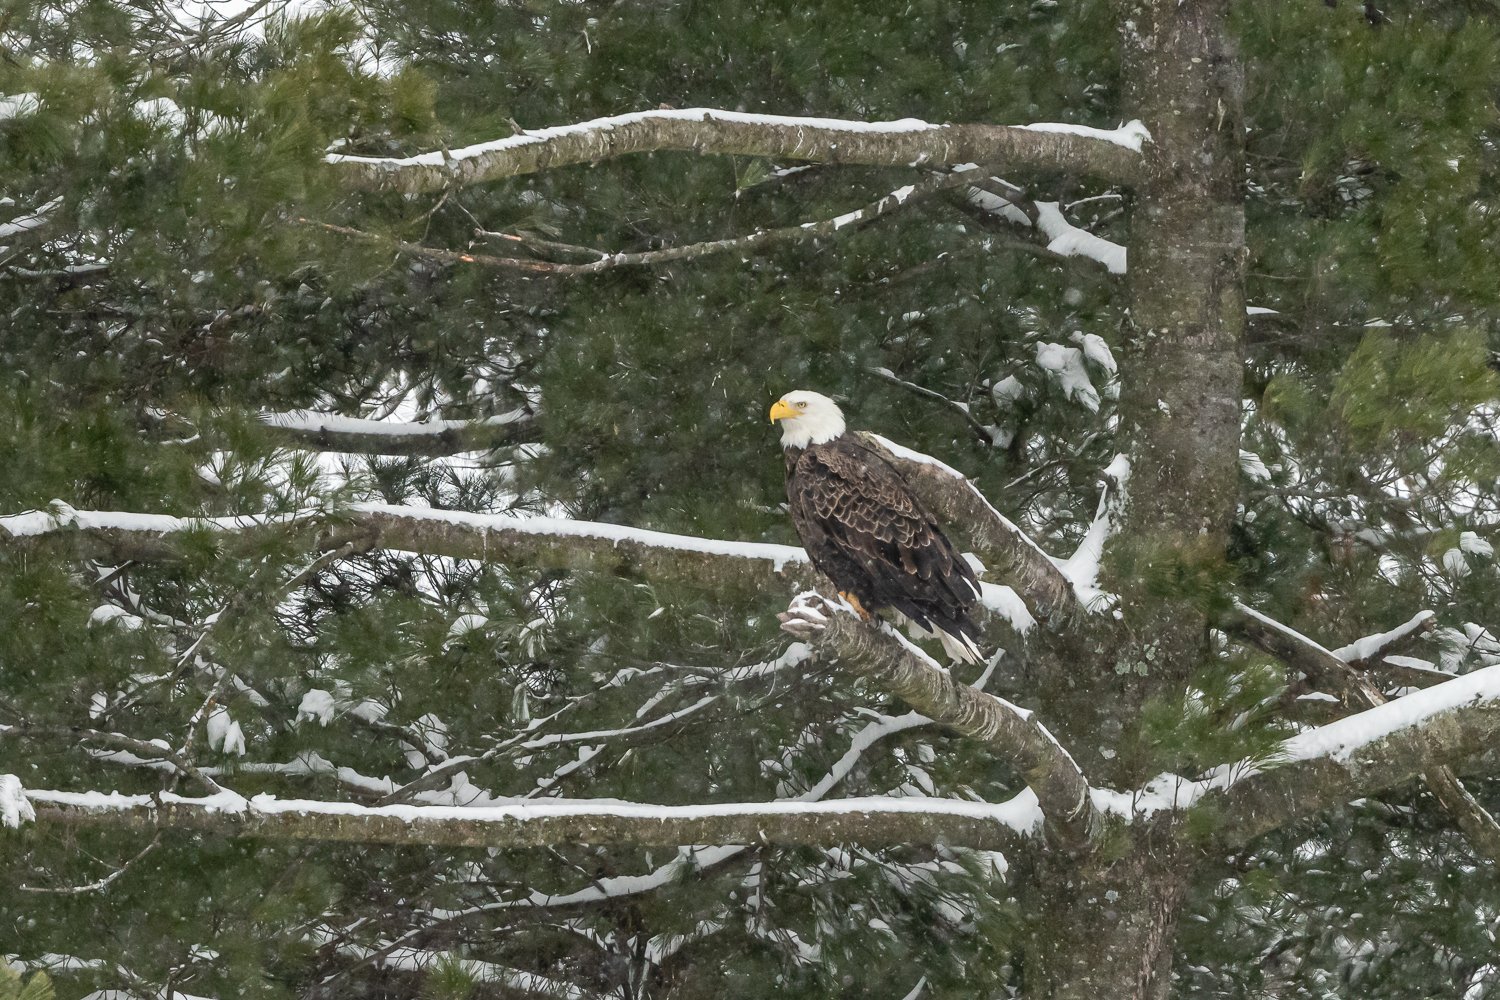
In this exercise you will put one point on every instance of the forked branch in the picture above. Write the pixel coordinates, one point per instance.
(1013, 733)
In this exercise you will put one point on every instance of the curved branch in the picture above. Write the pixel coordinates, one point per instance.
(1111, 154)
(849, 221)
(1007, 552)
(543, 822)
(1014, 733)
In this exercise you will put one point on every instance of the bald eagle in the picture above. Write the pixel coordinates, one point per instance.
(867, 532)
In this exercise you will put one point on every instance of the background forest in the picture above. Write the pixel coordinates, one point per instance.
(201, 316)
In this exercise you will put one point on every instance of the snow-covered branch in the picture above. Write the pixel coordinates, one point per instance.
(541, 541)
(542, 822)
(1323, 666)
(330, 432)
(1008, 554)
(1381, 748)
(1013, 733)
(1003, 201)
(1111, 154)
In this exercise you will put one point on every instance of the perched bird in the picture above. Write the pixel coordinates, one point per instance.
(867, 532)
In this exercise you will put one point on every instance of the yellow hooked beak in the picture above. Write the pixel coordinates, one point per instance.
(780, 411)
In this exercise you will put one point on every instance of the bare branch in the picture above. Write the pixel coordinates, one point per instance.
(118, 741)
(1014, 733)
(543, 822)
(962, 409)
(1114, 155)
(98, 885)
(1357, 690)
(807, 231)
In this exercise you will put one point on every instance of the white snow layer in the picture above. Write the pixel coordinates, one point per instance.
(1065, 365)
(1062, 236)
(313, 423)
(1363, 649)
(1131, 135)
(14, 809)
(317, 706)
(224, 734)
(26, 223)
(1018, 813)
(779, 556)
(533, 136)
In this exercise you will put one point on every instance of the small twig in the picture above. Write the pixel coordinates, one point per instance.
(101, 884)
(537, 243)
(980, 431)
(609, 261)
(119, 741)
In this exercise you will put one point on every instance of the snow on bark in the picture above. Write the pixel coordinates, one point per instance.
(543, 822)
(14, 808)
(1046, 217)
(907, 142)
(331, 432)
(27, 223)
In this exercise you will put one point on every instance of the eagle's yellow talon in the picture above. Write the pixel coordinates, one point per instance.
(859, 608)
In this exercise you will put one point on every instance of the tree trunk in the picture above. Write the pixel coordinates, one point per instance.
(1106, 930)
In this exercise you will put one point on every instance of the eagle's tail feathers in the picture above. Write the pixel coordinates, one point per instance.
(960, 647)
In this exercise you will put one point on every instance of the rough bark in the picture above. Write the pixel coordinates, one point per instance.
(1014, 734)
(872, 822)
(372, 437)
(1179, 423)
(1009, 556)
(1106, 929)
(701, 130)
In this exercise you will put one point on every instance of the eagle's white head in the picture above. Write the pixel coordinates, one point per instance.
(807, 418)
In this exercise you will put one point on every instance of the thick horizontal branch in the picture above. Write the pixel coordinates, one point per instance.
(1357, 690)
(540, 822)
(1008, 554)
(1110, 154)
(330, 432)
(1014, 734)
(544, 542)
(1378, 749)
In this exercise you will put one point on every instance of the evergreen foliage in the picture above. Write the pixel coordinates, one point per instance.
(184, 283)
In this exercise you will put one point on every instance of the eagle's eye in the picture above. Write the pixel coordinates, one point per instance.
(802, 405)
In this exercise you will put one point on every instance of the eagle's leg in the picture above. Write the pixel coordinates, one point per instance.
(859, 608)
